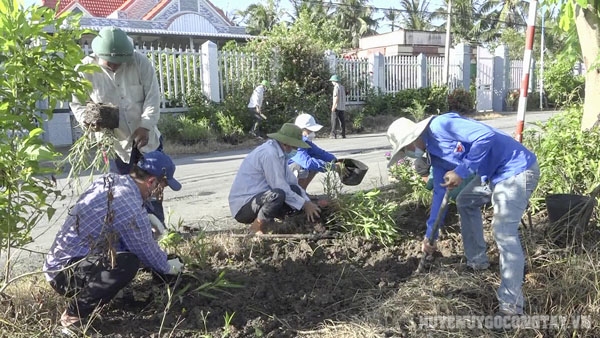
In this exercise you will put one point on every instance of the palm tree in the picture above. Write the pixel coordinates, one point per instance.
(317, 10)
(391, 15)
(259, 18)
(415, 14)
(473, 21)
(355, 17)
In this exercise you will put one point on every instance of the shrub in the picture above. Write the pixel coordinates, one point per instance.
(461, 101)
(568, 157)
(230, 129)
(561, 86)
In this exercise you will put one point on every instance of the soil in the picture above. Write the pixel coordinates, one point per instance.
(285, 287)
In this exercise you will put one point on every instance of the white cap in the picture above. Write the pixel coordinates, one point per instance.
(306, 121)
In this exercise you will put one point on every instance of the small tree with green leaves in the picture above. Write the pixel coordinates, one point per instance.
(38, 59)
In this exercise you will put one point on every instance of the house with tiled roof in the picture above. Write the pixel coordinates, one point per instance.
(157, 22)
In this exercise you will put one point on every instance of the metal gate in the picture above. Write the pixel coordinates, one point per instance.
(485, 79)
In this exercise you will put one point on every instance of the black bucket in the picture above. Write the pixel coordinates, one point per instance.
(355, 171)
(559, 205)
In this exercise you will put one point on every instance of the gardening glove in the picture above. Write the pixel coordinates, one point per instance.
(427, 248)
(140, 137)
(176, 266)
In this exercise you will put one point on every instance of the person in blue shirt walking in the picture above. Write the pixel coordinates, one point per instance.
(506, 173)
(106, 235)
(307, 162)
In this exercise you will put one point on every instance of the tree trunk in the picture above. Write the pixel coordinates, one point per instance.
(588, 30)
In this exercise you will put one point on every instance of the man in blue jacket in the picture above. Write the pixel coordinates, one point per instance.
(307, 162)
(506, 173)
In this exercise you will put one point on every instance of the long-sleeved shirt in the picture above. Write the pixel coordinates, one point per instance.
(313, 158)
(86, 233)
(257, 97)
(263, 169)
(339, 96)
(470, 147)
(134, 89)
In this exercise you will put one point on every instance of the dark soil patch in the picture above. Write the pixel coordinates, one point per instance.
(286, 286)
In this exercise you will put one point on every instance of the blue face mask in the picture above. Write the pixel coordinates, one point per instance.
(291, 154)
(417, 153)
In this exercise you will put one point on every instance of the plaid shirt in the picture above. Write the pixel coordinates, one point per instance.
(85, 231)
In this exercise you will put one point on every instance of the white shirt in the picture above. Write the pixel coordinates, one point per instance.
(263, 169)
(257, 97)
(134, 89)
(340, 92)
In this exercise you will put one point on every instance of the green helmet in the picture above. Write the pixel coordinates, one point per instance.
(265, 83)
(334, 78)
(112, 45)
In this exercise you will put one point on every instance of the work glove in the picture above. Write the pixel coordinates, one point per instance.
(176, 266)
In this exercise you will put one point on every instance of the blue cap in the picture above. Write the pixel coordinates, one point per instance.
(158, 164)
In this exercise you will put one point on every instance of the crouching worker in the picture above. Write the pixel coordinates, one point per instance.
(265, 188)
(307, 162)
(107, 235)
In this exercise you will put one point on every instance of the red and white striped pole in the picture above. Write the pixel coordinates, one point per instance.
(526, 69)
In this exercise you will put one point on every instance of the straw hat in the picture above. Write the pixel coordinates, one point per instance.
(291, 135)
(403, 132)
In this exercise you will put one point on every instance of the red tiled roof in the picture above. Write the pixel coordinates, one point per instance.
(125, 5)
(96, 8)
(159, 7)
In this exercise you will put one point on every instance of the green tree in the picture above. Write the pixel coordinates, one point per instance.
(316, 11)
(392, 16)
(585, 16)
(355, 18)
(473, 21)
(260, 18)
(38, 58)
(415, 14)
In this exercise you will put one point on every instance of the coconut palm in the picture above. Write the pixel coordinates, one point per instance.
(392, 16)
(355, 17)
(259, 18)
(473, 21)
(317, 10)
(415, 14)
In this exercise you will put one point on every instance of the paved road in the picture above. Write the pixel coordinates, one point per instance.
(202, 202)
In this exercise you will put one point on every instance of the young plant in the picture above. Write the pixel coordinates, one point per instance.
(37, 65)
(368, 214)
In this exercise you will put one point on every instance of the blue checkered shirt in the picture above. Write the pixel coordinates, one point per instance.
(86, 231)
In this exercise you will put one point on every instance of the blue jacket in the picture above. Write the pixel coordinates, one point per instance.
(470, 147)
(313, 158)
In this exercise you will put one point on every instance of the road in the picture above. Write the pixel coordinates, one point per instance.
(206, 179)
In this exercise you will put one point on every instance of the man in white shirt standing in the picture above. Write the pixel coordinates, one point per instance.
(128, 81)
(255, 106)
(265, 188)
(338, 107)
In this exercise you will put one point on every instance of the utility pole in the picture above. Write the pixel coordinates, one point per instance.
(447, 50)
(542, 46)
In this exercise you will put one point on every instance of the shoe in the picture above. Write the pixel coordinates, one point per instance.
(332, 136)
(475, 268)
(343, 136)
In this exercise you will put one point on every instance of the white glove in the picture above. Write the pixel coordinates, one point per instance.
(176, 266)
(157, 224)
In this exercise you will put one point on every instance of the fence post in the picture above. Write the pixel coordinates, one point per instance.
(331, 61)
(422, 71)
(501, 78)
(532, 77)
(210, 71)
(377, 70)
(462, 54)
